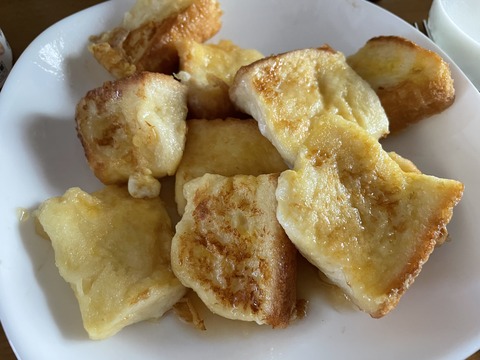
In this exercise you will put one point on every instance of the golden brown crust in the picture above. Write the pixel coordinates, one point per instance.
(284, 300)
(357, 216)
(230, 249)
(85, 113)
(122, 127)
(199, 22)
(425, 246)
(287, 93)
(412, 82)
(151, 46)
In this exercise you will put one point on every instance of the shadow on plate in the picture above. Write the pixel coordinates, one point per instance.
(58, 295)
(83, 73)
(59, 154)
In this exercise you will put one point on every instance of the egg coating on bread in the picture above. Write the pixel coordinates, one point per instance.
(356, 215)
(114, 251)
(133, 130)
(285, 93)
(224, 147)
(146, 39)
(231, 250)
(412, 82)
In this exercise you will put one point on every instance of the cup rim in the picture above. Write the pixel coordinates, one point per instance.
(452, 22)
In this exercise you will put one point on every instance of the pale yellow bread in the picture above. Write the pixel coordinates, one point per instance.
(114, 251)
(412, 82)
(405, 164)
(146, 39)
(231, 250)
(356, 215)
(408, 166)
(285, 93)
(208, 71)
(133, 130)
(225, 147)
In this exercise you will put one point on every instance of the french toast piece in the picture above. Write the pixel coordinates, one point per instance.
(353, 213)
(114, 251)
(411, 81)
(208, 71)
(146, 39)
(133, 130)
(231, 250)
(408, 166)
(286, 92)
(224, 147)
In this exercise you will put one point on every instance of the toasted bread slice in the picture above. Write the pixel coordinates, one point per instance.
(114, 251)
(353, 213)
(146, 40)
(411, 81)
(231, 250)
(286, 92)
(133, 130)
(408, 166)
(208, 71)
(224, 147)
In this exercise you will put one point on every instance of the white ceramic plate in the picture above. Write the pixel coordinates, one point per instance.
(40, 157)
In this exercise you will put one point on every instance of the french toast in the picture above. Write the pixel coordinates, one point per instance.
(231, 250)
(224, 147)
(286, 92)
(114, 251)
(356, 215)
(208, 71)
(412, 82)
(133, 130)
(146, 39)
(408, 166)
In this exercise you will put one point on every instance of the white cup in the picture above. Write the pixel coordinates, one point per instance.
(455, 26)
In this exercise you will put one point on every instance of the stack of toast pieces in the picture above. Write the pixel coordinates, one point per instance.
(272, 156)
